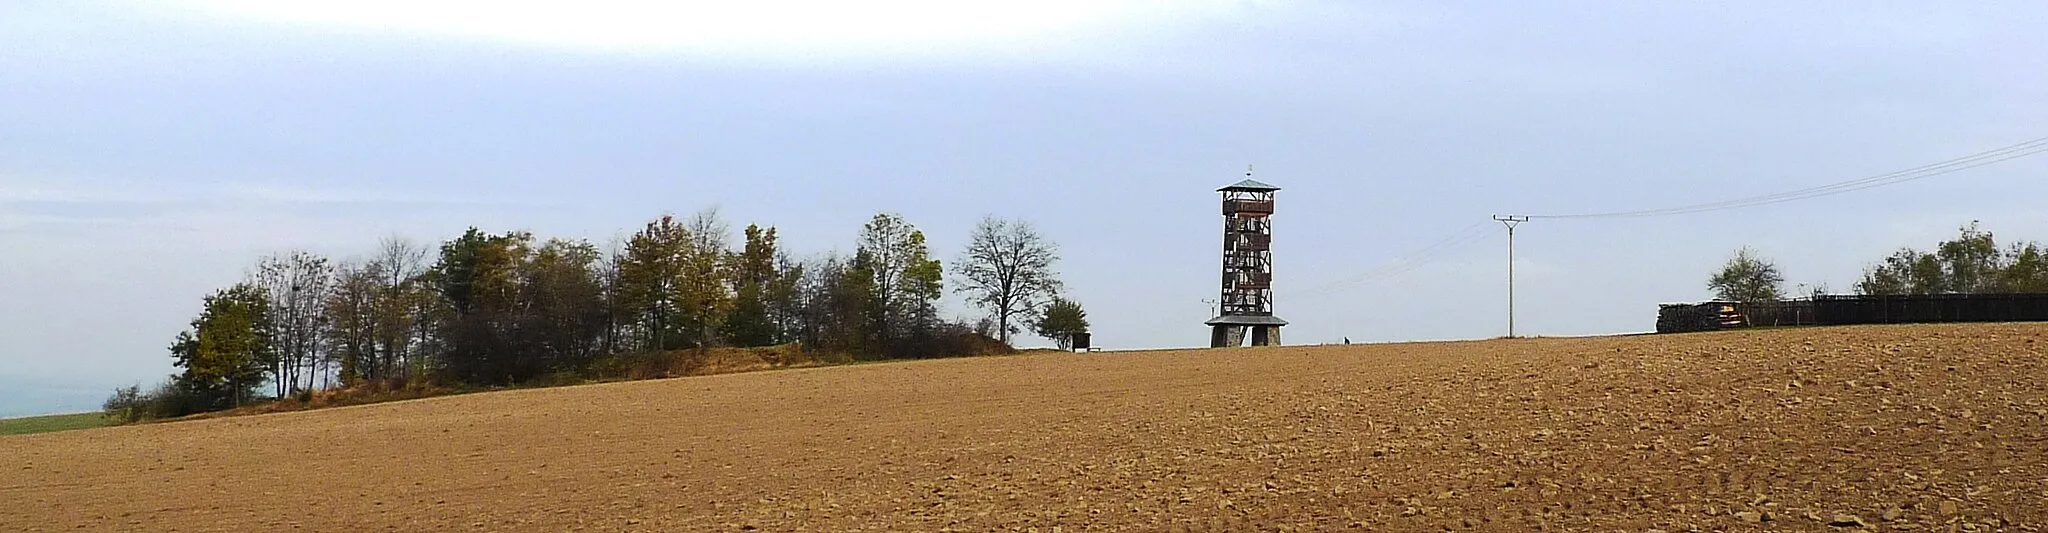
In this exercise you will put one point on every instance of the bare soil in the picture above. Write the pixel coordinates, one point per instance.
(1895, 428)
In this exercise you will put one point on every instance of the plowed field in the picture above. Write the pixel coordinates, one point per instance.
(1895, 428)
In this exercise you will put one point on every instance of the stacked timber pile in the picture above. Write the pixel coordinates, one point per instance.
(1710, 316)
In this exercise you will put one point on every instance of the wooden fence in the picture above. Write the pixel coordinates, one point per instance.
(1917, 308)
(1848, 310)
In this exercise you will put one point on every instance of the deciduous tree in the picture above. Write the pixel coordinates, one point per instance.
(2026, 269)
(1970, 263)
(404, 304)
(651, 279)
(478, 275)
(1061, 320)
(1747, 277)
(755, 278)
(706, 291)
(561, 315)
(352, 333)
(297, 284)
(230, 349)
(1007, 269)
(907, 282)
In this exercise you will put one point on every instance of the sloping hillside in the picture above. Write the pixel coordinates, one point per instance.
(1904, 428)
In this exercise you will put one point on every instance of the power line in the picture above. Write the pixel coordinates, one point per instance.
(1988, 157)
(1416, 259)
(1406, 262)
(1418, 262)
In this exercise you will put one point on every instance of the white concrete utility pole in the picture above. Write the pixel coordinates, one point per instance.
(1511, 221)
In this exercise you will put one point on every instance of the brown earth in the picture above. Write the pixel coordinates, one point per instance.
(1893, 428)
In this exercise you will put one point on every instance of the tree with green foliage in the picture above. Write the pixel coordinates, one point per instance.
(706, 289)
(755, 279)
(784, 296)
(922, 286)
(1007, 269)
(1062, 320)
(493, 309)
(854, 306)
(478, 275)
(2026, 269)
(673, 277)
(907, 281)
(126, 405)
(230, 349)
(1906, 271)
(1970, 263)
(1747, 277)
(561, 317)
(650, 284)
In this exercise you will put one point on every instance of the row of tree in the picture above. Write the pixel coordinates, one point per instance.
(504, 308)
(1972, 262)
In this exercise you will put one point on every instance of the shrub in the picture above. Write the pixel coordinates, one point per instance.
(126, 405)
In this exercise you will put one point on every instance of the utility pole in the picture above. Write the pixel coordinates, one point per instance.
(1511, 221)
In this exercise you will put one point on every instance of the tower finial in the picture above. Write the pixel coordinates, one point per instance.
(1247, 171)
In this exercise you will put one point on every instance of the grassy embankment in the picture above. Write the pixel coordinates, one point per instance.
(49, 423)
(620, 367)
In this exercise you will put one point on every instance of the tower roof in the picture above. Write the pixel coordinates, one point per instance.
(1249, 185)
(1246, 320)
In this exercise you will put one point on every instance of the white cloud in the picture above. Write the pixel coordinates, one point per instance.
(789, 30)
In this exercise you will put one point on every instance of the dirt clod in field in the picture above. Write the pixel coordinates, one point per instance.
(1924, 428)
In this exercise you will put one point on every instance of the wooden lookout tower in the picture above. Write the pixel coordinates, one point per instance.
(1247, 302)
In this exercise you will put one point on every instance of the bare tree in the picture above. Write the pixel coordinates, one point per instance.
(1007, 269)
(297, 284)
(401, 304)
(352, 322)
(708, 232)
(616, 317)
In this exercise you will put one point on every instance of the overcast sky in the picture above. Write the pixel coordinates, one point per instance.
(151, 151)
